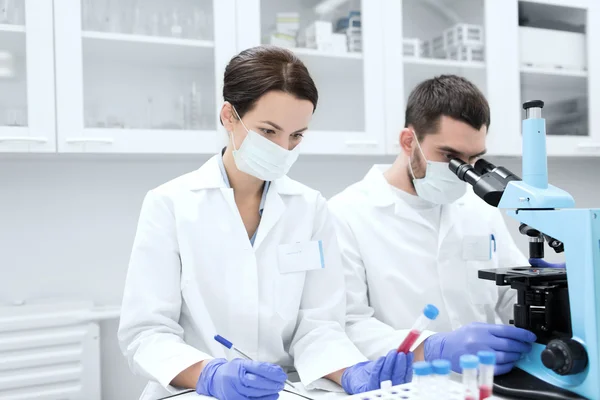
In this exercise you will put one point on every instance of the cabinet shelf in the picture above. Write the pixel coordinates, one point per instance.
(443, 63)
(554, 72)
(131, 141)
(318, 53)
(12, 38)
(152, 50)
(553, 79)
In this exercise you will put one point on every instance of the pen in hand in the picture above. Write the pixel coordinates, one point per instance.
(230, 346)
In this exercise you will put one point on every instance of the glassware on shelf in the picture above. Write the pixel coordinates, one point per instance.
(194, 108)
(199, 30)
(15, 117)
(138, 26)
(154, 24)
(176, 28)
(149, 122)
(181, 114)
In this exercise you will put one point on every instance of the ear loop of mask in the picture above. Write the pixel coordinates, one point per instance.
(240, 119)
(421, 150)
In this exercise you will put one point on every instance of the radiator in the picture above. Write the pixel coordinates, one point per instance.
(49, 352)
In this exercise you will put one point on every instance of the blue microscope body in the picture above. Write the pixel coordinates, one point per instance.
(562, 306)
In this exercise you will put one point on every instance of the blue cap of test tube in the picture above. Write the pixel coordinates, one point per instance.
(422, 368)
(487, 357)
(468, 361)
(431, 311)
(441, 367)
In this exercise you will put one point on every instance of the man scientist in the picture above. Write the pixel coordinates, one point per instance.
(412, 233)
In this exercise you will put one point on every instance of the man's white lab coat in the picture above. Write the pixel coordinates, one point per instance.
(395, 263)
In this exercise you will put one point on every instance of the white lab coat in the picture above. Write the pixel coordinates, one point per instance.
(193, 274)
(395, 263)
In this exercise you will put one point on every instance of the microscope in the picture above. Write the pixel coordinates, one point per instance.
(561, 306)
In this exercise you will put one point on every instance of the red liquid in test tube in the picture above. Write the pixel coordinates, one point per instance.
(485, 392)
(430, 312)
(408, 342)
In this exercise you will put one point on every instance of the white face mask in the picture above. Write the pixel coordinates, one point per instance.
(261, 158)
(439, 185)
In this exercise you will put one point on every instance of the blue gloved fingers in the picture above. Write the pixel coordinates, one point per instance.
(501, 369)
(402, 364)
(266, 370)
(505, 357)
(375, 374)
(509, 345)
(409, 367)
(388, 366)
(256, 386)
(541, 263)
(511, 332)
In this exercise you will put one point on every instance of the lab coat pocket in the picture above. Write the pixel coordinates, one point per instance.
(288, 295)
(294, 260)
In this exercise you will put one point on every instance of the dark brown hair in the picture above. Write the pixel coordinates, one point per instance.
(449, 95)
(261, 69)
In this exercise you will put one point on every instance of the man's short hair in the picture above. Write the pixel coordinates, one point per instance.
(449, 95)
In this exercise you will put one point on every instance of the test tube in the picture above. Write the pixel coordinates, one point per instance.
(487, 361)
(468, 365)
(430, 312)
(441, 369)
(422, 379)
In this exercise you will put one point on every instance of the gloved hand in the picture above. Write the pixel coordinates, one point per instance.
(540, 263)
(368, 375)
(241, 379)
(508, 342)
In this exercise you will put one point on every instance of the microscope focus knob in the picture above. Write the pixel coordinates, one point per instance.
(565, 357)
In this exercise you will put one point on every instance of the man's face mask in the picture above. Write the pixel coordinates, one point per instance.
(439, 185)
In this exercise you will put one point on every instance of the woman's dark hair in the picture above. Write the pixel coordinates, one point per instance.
(261, 69)
(449, 95)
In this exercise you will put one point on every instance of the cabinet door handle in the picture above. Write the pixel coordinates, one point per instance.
(592, 145)
(23, 139)
(361, 143)
(77, 140)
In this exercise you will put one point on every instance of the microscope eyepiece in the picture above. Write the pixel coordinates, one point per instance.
(464, 171)
(483, 167)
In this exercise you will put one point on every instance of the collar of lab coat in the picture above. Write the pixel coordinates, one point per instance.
(208, 176)
(381, 195)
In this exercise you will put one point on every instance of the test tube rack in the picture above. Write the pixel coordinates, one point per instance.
(452, 391)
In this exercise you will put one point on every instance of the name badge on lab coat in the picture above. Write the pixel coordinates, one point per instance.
(303, 256)
(478, 247)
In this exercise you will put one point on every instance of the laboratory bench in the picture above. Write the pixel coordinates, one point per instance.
(324, 395)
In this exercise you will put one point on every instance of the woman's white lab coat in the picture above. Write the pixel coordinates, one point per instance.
(395, 263)
(193, 274)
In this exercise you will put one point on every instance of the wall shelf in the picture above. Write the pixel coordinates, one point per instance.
(443, 63)
(554, 79)
(318, 53)
(153, 50)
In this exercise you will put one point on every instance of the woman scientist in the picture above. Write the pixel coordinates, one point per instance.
(237, 248)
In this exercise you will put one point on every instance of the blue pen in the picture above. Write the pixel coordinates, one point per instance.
(230, 346)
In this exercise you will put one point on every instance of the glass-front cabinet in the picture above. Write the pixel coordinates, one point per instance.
(341, 43)
(141, 75)
(566, 78)
(27, 109)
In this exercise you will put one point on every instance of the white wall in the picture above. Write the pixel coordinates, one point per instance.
(67, 224)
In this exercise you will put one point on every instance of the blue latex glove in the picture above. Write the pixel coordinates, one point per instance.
(241, 379)
(508, 342)
(540, 263)
(368, 375)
